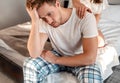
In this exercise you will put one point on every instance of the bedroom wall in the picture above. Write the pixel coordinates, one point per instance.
(114, 2)
(12, 12)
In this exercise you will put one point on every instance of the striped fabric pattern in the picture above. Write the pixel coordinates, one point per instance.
(111, 32)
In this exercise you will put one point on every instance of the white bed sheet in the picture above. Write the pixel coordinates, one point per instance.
(110, 26)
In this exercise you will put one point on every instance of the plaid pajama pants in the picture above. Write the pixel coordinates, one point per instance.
(35, 71)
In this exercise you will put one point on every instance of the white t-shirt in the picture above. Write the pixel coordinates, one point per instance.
(66, 39)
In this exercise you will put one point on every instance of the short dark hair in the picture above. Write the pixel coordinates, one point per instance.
(38, 3)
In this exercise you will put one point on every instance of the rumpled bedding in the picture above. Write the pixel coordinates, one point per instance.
(110, 26)
(13, 41)
(115, 77)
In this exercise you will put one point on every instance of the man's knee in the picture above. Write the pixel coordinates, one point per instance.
(90, 74)
(32, 63)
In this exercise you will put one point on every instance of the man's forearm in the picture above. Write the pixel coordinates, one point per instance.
(33, 45)
(88, 56)
(77, 60)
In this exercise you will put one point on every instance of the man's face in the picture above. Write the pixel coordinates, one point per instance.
(50, 14)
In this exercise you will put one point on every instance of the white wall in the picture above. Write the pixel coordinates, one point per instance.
(12, 12)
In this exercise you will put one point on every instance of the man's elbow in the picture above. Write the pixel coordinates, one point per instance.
(91, 59)
(34, 53)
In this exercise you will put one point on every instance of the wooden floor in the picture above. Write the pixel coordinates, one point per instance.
(11, 70)
(5, 79)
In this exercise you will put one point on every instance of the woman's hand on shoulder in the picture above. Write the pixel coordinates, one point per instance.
(81, 9)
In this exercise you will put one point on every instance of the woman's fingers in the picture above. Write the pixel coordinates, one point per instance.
(82, 9)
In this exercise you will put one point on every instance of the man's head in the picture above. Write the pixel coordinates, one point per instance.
(48, 10)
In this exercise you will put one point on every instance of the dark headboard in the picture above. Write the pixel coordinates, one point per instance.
(12, 12)
(114, 2)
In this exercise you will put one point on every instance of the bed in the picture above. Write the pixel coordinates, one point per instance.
(110, 25)
(13, 42)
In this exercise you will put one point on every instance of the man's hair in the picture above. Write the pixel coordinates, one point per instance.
(38, 3)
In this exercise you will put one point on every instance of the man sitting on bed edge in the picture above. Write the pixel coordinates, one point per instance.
(74, 42)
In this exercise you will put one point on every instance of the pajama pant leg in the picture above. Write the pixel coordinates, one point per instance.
(35, 70)
(88, 74)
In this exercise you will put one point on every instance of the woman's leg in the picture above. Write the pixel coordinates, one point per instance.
(107, 58)
(35, 70)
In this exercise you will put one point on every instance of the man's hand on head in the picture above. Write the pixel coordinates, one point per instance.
(33, 14)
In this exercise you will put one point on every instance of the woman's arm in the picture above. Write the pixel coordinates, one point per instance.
(97, 16)
(101, 41)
